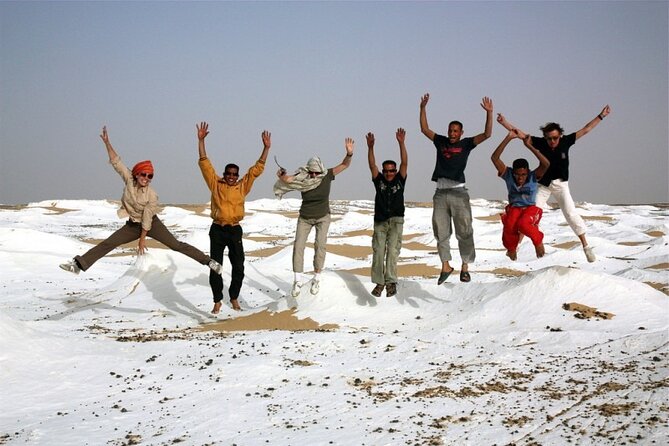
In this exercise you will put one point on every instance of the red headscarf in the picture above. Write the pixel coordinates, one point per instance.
(142, 166)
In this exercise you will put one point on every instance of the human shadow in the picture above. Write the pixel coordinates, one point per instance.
(160, 283)
(356, 287)
(98, 300)
(409, 292)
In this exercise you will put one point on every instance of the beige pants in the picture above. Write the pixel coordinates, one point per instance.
(560, 191)
(304, 226)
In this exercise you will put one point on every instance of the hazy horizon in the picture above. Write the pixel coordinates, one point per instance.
(314, 73)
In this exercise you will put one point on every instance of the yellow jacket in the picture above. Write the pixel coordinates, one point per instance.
(227, 202)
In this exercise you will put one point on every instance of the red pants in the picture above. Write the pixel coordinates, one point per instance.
(516, 221)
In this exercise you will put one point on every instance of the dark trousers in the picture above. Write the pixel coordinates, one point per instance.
(130, 232)
(221, 237)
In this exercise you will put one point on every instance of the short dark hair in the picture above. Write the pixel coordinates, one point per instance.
(550, 126)
(231, 165)
(520, 163)
(383, 164)
(458, 123)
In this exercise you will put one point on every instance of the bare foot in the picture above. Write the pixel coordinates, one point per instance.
(539, 249)
(235, 305)
(217, 308)
(511, 254)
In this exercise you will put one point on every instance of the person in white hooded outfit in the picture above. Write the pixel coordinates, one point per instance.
(313, 181)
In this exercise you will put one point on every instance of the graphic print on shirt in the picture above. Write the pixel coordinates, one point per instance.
(391, 189)
(450, 152)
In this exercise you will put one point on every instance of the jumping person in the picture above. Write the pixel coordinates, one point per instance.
(521, 215)
(555, 146)
(451, 205)
(227, 210)
(139, 203)
(388, 215)
(313, 180)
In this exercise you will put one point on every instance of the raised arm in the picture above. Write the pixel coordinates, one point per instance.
(510, 127)
(424, 128)
(595, 121)
(370, 155)
(347, 159)
(495, 157)
(404, 158)
(266, 144)
(486, 104)
(543, 161)
(202, 132)
(110, 150)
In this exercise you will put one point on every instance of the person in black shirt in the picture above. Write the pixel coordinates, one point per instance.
(555, 146)
(388, 215)
(451, 200)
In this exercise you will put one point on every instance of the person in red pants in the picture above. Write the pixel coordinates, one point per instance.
(521, 215)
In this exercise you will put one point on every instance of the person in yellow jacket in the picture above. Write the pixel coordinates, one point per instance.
(227, 210)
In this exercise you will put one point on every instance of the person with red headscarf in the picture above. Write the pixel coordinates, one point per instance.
(139, 203)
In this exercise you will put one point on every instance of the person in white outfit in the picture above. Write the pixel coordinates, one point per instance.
(554, 145)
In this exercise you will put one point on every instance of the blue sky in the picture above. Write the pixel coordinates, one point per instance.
(314, 73)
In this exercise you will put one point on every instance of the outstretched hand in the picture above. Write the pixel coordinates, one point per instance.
(104, 135)
(370, 140)
(400, 135)
(486, 103)
(605, 111)
(349, 146)
(424, 100)
(266, 139)
(202, 130)
(501, 119)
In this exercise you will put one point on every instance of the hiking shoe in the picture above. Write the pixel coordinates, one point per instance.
(589, 254)
(378, 289)
(315, 287)
(215, 266)
(297, 287)
(71, 266)
(391, 289)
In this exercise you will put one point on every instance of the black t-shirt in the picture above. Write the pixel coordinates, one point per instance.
(316, 202)
(451, 158)
(558, 157)
(389, 199)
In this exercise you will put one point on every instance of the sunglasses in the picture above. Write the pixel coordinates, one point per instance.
(146, 175)
(231, 174)
(389, 170)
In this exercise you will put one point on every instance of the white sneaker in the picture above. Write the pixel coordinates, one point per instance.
(315, 287)
(297, 287)
(215, 266)
(71, 266)
(589, 254)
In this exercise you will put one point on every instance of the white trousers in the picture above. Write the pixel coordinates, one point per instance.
(560, 190)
